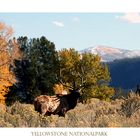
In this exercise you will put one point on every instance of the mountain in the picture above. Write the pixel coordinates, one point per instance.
(125, 70)
(110, 54)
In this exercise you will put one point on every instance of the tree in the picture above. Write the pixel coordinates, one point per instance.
(86, 69)
(44, 62)
(37, 69)
(8, 52)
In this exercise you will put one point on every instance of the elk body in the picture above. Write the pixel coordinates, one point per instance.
(47, 105)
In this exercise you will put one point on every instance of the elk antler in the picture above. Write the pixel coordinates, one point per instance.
(81, 77)
(65, 85)
(61, 81)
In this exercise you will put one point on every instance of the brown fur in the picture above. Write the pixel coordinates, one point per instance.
(44, 104)
(47, 105)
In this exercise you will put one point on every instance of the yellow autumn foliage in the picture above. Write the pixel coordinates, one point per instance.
(7, 55)
(58, 88)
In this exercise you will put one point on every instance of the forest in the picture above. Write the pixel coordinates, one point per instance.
(125, 72)
(30, 67)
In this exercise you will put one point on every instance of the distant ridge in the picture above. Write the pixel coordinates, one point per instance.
(109, 54)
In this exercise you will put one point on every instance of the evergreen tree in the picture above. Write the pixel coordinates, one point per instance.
(44, 65)
(36, 71)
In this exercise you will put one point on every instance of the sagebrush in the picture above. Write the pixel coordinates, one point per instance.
(96, 113)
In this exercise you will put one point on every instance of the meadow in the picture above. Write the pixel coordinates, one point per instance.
(123, 112)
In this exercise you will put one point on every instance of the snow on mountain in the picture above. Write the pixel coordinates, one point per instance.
(109, 53)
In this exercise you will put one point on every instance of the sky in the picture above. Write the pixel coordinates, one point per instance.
(78, 30)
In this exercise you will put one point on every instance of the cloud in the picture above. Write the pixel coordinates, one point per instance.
(58, 23)
(130, 17)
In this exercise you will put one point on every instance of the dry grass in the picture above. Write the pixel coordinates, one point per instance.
(130, 105)
(118, 113)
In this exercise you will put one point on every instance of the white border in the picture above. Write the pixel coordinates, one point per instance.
(81, 6)
(27, 133)
(69, 6)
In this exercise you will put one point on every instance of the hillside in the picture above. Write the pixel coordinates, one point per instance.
(96, 113)
(125, 73)
(124, 65)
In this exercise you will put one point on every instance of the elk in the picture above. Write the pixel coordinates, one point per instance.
(59, 104)
(47, 105)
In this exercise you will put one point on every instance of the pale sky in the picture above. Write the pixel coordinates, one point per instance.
(78, 30)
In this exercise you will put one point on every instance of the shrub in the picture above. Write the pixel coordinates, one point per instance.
(130, 105)
(96, 113)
